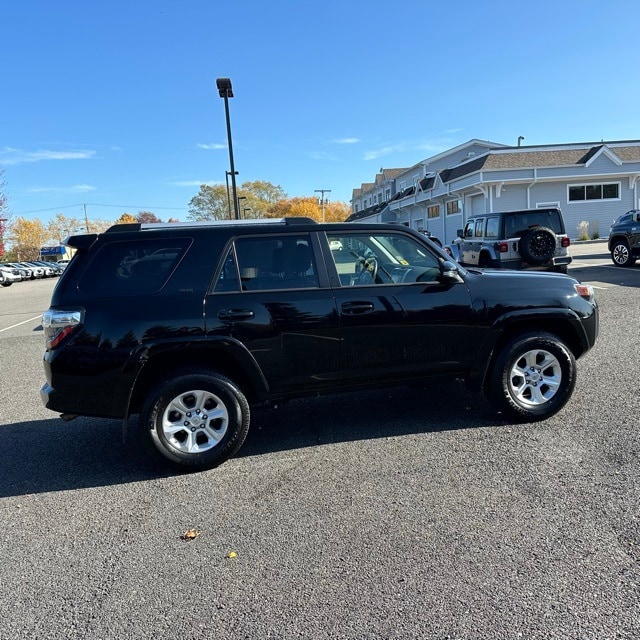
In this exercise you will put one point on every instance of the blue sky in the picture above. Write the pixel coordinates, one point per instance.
(114, 104)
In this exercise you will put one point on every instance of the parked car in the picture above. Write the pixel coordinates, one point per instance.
(10, 275)
(624, 239)
(221, 317)
(528, 239)
(25, 272)
(50, 269)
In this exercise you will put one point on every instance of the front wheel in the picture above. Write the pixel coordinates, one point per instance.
(195, 421)
(532, 377)
(621, 254)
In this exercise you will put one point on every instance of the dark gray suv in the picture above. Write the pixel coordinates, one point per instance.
(624, 239)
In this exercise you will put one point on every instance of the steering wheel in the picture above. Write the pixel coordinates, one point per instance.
(370, 266)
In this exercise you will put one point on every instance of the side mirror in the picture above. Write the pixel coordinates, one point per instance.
(459, 233)
(450, 272)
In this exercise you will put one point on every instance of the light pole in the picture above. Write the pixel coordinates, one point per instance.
(226, 177)
(322, 192)
(238, 205)
(244, 212)
(226, 92)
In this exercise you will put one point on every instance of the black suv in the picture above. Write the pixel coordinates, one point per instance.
(188, 325)
(624, 239)
(526, 239)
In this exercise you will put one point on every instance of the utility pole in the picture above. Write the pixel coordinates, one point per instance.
(322, 192)
(86, 220)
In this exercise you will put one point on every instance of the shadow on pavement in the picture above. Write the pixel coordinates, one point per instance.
(608, 274)
(52, 455)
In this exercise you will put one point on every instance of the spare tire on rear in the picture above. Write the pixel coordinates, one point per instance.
(538, 245)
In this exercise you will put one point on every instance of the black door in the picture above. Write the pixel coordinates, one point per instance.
(271, 298)
(397, 318)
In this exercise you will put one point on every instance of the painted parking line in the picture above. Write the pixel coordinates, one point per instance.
(13, 326)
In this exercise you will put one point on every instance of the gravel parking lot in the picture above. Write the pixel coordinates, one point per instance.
(406, 513)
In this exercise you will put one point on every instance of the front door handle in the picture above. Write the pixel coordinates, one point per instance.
(356, 308)
(235, 315)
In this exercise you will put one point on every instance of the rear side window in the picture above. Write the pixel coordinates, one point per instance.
(269, 263)
(516, 224)
(132, 267)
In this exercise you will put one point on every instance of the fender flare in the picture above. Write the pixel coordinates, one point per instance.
(144, 356)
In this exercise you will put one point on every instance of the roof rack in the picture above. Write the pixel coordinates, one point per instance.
(137, 226)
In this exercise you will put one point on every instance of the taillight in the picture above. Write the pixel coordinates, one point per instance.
(58, 325)
(565, 242)
(503, 247)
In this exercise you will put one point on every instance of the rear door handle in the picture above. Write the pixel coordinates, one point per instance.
(356, 308)
(234, 315)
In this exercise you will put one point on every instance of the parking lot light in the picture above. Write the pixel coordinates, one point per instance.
(226, 92)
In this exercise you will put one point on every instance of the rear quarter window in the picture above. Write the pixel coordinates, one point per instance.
(132, 267)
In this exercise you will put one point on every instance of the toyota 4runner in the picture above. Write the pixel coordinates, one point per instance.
(528, 239)
(189, 325)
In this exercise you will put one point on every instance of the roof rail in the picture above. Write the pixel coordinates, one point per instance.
(137, 226)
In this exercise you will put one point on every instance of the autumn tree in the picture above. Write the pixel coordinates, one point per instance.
(126, 218)
(27, 237)
(147, 216)
(335, 211)
(61, 226)
(4, 212)
(210, 203)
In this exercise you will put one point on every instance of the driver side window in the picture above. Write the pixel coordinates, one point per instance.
(363, 259)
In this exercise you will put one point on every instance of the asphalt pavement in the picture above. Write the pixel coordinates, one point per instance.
(413, 512)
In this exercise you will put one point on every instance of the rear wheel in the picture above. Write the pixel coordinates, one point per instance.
(532, 378)
(621, 254)
(195, 421)
(485, 261)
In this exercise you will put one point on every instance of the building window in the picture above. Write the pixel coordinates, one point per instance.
(585, 192)
(403, 186)
(387, 195)
(454, 206)
(433, 211)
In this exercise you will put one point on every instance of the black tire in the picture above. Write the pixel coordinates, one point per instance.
(178, 431)
(621, 254)
(485, 261)
(538, 245)
(6, 284)
(532, 377)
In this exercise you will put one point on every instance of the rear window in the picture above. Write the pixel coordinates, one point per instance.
(132, 267)
(516, 224)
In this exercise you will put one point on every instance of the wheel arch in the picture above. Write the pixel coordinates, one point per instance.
(619, 237)
(224, 356)
(565, 326)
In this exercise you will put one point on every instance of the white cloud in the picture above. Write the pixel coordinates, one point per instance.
(76, 188)
(323, 155)
(378, 153)
(9, 155)
(212, 146)
(193, 183)
(347, 141)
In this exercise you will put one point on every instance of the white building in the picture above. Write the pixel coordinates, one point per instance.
(592, 182)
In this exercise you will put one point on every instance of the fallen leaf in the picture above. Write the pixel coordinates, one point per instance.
(190, 534)
(232, 554)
